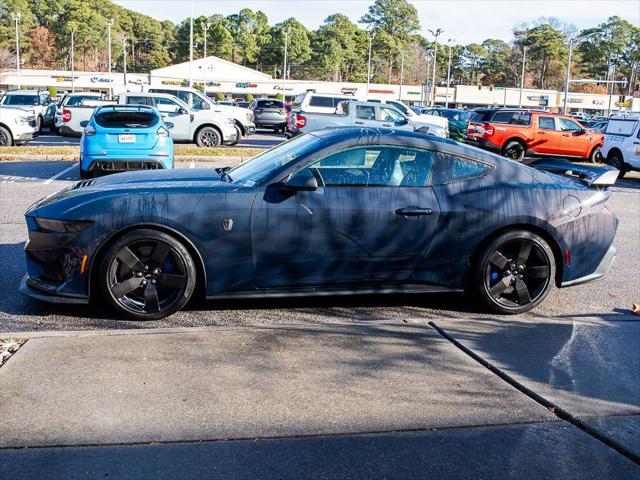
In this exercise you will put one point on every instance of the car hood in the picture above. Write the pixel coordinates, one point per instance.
(430, 119)
(139, 182)
(229, 110)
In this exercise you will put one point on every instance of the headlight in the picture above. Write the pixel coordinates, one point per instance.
(26, 119)
(249, 117)
(61, 226)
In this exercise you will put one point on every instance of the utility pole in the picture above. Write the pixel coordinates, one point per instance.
(370, 35)
(133, 55)
(284, 67)
(568, 79)
(436, 34)
(401, 73)
(124, 60)
(427, 88)
(613, 78)
(73, 67)
(190, 43)
(524, 60)
(109, 25)
(446, 101)
(205, 27)
(16, 18)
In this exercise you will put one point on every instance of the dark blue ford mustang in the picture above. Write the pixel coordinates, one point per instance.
(338, 211)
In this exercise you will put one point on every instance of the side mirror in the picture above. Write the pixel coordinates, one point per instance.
(580, 132)
(402, 122)
(182, 111)
(303, 181)
(206, 106)
(84, 123)
(168, 125)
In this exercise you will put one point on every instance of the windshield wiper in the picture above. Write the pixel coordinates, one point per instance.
(224, 176)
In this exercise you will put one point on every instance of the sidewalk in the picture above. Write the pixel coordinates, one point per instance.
(291, 400)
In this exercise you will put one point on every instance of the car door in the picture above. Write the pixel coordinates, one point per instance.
(547, 136)
(631, 149)
(369, 221)
(574, 140)
(175, 114)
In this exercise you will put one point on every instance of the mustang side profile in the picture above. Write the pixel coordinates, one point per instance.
(336, 211)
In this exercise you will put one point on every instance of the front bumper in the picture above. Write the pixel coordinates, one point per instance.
(601, 270)
(22, 138)
(249, 129)
(47, 293)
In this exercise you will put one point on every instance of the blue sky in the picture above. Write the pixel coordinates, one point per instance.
(466, 21)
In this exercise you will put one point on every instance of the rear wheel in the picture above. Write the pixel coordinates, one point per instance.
(5, 138)
(514, 150)
(595, 156)
(515, 272)
(208, 137)
(147, 275)
(616, 161)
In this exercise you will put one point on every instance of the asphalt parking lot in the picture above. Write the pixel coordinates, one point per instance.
(393, 379)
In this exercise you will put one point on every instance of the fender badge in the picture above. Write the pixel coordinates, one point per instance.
(227, 224)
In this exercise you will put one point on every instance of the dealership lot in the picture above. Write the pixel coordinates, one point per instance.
(414, 389)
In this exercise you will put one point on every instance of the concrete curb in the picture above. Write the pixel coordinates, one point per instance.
(74, 158)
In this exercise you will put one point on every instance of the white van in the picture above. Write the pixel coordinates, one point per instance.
(621, 148)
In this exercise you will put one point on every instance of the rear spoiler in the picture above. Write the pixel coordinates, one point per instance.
(593, 176)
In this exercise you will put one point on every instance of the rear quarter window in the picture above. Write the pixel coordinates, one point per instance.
(326, 102)
(449, 168)
(479, 116)
(621, 127)
(124, 119)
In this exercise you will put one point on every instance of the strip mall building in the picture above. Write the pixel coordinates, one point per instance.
(235, 81)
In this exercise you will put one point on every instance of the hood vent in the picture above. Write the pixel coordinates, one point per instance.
(83, 183)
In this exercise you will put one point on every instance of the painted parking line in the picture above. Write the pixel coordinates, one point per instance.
(192, 165)
(58, 175)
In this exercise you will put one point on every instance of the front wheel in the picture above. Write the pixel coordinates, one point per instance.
(514, 150)
(147, 275)
(208, 137)
(514, 273)
(5, 137)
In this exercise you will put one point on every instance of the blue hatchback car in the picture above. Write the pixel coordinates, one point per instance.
(125, 137)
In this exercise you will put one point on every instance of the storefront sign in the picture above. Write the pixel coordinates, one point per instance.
(575, 100)
(246, 85)
(346, 90)
(278, 87)
(97, 79)
(375, 90)
(213, 84)
(598, 102)
(414, 93)
(172, 82)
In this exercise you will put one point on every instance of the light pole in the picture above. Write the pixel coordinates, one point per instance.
(568, 80)
(370, 35)
(124, 60)
(446, 101)
(16, 18)
(205, 27)
(73, 66)
(436, 34)
(401, 73)
(110, 23)
(190, 43)
(284, 67)
(524, 60)
(426, 80)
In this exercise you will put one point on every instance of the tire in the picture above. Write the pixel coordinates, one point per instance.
(616, 161)
(147, 275)
(39, 124)
(595, 156)
(514, 150)
(6, 140)
(239, 136)
(493, 279)
(208, 137)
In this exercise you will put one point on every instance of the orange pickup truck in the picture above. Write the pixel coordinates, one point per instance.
(519, 133)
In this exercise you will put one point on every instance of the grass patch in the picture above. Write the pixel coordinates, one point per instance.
(190, 150)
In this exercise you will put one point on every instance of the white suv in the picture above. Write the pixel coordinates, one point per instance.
(38, 101)
(621, 148)
(17, 126)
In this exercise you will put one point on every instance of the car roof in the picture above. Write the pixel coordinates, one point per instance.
(126, 107)
(26, 92)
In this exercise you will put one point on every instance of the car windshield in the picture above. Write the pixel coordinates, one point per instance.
(21, 100)
(126, 119)
(259, 168)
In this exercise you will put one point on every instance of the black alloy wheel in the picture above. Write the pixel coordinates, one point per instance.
(208, 137)
(148, 275)
(514, 150)
(616, 161)
(5, 137)
(515, 272)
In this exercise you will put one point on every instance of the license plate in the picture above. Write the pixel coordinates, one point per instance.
(124, 138)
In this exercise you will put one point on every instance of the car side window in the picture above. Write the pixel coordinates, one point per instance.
(547, 123)
(449, 168)
(569, 125)
(383, 166)
(167, 106)
(137, 101)
(390, 115)
(502, 117)
(366, 112)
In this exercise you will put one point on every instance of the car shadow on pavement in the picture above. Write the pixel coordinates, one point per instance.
(37, 170)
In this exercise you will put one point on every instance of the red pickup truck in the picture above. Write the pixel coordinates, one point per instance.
(519, 133)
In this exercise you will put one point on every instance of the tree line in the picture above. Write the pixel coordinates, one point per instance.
(336, 51)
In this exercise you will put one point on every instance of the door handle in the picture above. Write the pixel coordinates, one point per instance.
(358, 122)
(386, 124)
(413, 211)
